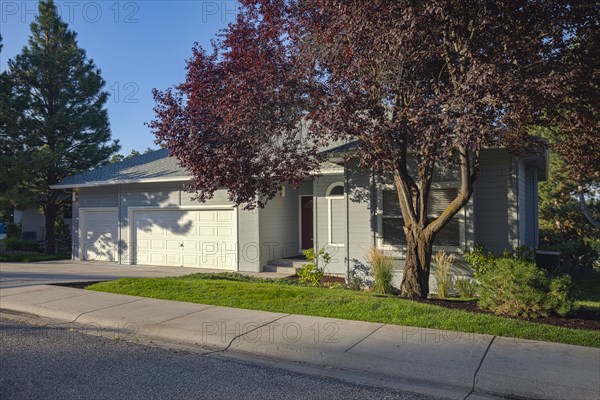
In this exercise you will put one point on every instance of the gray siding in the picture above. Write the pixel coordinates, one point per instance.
(522, 200)
(492, 200)
(361, 217)
(279, 227)
(531, 208)
(248, 241)
(321, 210)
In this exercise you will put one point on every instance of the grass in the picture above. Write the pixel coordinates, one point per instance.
(231, 290)
(587, 294)
(31, 257)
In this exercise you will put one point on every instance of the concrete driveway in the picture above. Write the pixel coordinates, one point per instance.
(40, 273)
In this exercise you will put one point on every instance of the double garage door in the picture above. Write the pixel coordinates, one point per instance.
(188, 238)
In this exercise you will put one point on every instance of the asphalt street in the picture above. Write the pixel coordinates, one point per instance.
(39, 360)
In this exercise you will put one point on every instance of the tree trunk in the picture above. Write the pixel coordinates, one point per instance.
(415, 280)
(585, 209)
(50, 212)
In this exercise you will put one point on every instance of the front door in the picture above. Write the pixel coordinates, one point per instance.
(306, 218)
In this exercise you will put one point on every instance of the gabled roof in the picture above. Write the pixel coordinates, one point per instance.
(156, 166)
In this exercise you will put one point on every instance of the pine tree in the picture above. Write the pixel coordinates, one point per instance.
(63, 124)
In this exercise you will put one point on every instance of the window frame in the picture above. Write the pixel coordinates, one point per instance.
(400, 251)
(329, 197)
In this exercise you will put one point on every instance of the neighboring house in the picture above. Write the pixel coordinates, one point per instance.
(138, 212)
(32, 222)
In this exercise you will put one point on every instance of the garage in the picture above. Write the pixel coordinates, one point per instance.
(99, 234)
(202, 238)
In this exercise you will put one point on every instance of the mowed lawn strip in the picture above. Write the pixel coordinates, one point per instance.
(338, 303)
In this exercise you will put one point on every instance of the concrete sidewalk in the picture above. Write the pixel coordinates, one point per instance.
(457, 365)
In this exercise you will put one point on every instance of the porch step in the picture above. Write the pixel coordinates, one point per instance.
(285, 265)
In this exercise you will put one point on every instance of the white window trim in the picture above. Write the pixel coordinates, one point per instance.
(400, 253)
(329, 199)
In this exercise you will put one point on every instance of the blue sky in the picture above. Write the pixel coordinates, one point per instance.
(138, 45)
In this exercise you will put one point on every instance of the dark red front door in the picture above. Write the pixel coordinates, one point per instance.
(306, 209)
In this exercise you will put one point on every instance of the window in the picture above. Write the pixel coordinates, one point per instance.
(391, 227)
(336, 214)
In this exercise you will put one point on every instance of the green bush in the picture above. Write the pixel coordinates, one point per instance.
(466, 288)
(13, 231)
(479, 260)
(579, 258)
(15, 244)
(312, 273)
(382, 267)
(519, 288)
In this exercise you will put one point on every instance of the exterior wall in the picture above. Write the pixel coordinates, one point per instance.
(279, 228)
(168, 194)
(321, 211)
(531, 208)
(32, 221)
(361, 217)
(494, 194)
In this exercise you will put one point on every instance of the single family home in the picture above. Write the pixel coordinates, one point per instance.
(138, 212)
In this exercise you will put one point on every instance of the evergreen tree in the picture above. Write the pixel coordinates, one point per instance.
(62, 125)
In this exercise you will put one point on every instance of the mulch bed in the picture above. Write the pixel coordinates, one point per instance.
(582, 319)
(326, 279)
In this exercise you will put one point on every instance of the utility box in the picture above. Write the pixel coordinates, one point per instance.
(547, 259)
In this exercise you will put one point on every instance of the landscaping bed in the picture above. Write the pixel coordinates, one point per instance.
(583, 318)
(232, 290)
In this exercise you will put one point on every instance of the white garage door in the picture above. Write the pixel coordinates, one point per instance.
(189, 238)
(98, 240)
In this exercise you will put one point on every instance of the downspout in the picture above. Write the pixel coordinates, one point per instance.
(119, 245)
(346, 193)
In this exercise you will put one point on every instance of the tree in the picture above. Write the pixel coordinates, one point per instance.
(62, 125)
(420, 86)
(134, 153)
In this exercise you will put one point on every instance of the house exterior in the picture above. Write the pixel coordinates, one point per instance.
(138, 212)
(33, 223)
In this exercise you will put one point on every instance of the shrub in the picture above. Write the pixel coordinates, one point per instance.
(312, 273)
(13, 230)
(382, 267)
(355, 282)
(479, 260)
(466, 287)
(443, 273)
(519, 288)
(15, 244)
(578, 257)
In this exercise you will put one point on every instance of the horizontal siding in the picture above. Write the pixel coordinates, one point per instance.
(491, 200)
(248, 241)
(321, 211)
(361, 218)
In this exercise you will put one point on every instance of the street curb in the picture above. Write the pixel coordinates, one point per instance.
(473, 366)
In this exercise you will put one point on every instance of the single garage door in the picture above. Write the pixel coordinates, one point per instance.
(188, 238)
(98, 240)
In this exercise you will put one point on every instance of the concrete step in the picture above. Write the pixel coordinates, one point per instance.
(285, 265)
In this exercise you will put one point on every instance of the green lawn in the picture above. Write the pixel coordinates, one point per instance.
(587, 293)
(31, 257)
(232, 291)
